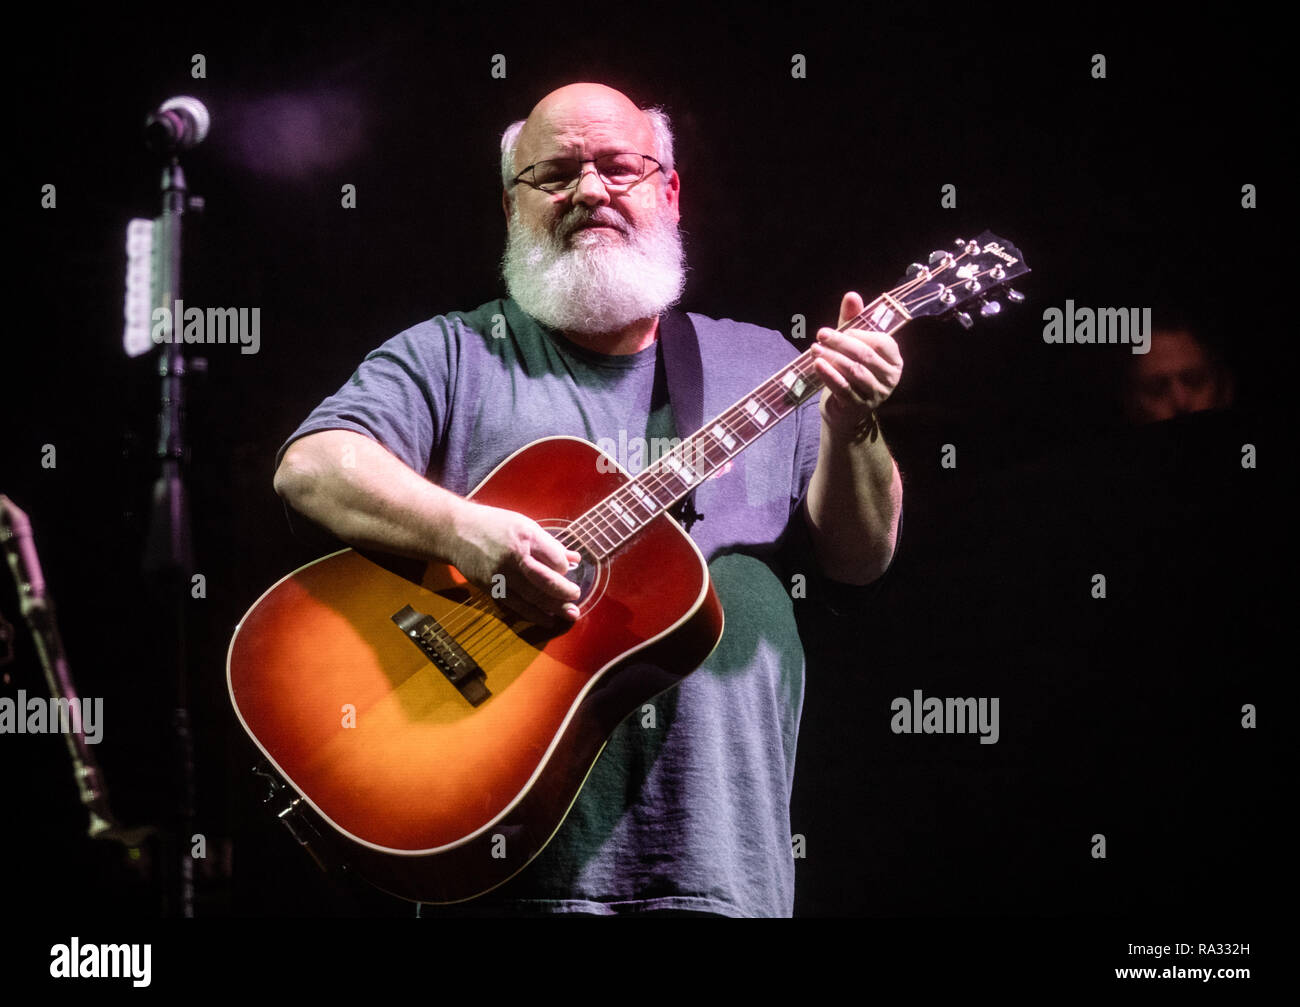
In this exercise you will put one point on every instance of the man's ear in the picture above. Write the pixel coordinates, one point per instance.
(674, 194)
(505, 204)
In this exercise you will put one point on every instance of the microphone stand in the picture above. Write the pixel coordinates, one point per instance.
(168, 560)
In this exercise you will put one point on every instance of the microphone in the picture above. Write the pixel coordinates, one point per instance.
(177, 124)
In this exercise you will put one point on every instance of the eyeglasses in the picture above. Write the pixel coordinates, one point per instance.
(617, 171)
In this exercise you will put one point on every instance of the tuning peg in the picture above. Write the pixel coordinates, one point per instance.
(940, 258)
(1015, 296)
(967, 322)
(989, 309)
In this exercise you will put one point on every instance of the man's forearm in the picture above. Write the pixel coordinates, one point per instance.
(854, 502)
(366, 496)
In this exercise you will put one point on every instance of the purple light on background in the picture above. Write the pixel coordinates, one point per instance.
(293, 136)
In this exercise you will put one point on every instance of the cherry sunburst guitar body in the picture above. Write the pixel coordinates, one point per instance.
(434, 742)
(433, 798)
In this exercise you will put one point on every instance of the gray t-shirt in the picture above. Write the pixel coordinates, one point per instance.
(689, 806)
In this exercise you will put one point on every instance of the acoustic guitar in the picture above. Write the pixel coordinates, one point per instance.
(432, 741)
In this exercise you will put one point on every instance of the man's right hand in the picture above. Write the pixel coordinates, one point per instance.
(493, 542)
(370, 499)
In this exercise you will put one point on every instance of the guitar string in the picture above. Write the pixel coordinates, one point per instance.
(480, 605)
(571, 533)
(767, 395)
(658, 476)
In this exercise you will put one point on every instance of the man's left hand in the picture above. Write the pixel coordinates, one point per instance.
(861, 370)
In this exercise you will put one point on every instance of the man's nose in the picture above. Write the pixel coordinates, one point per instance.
(590, 190)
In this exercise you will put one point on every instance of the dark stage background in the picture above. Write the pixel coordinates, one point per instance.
(1119, 716)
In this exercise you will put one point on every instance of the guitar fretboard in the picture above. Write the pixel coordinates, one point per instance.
(617, 518)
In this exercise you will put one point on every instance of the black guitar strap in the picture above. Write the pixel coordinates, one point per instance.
(684, 371)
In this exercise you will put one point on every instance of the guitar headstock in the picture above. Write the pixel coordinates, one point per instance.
(953, 282)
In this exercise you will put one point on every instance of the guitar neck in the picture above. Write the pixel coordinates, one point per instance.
(622, 514)
(945, 286)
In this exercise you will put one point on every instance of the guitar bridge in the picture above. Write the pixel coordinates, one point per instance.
(445, 653)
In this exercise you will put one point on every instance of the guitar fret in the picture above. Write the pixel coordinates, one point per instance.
(794, 384)
(679, 471)
(780, 405)
(682, 470)
(881, 316)
(747, 427)
(711, 449)
(600, 533)
(660, 492)
(627, 518)
(641, 496)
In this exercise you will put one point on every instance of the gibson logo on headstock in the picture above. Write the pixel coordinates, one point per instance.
(996, 249)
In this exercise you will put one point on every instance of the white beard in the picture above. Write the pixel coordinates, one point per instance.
(600, 282)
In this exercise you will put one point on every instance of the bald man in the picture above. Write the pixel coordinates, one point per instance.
(687, 810)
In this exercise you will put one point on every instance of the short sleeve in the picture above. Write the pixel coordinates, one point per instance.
(399, 395)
